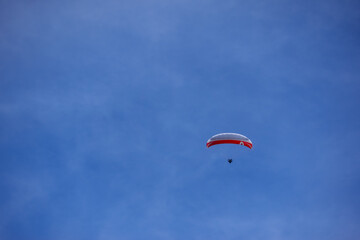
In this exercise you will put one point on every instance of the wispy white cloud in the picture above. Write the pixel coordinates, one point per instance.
(115, 101)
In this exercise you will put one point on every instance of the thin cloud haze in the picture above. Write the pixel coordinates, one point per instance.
(106, 107)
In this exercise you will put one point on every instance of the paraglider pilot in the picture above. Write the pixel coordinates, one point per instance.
(230, 160)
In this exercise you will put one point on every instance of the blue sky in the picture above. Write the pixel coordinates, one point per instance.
(106, 107)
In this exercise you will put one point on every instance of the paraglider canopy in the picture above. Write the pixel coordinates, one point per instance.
(229, 138)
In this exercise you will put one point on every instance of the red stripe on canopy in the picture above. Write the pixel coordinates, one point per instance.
(229, 141)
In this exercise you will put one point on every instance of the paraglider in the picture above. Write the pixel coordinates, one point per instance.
(232, 138)
(229, 138)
